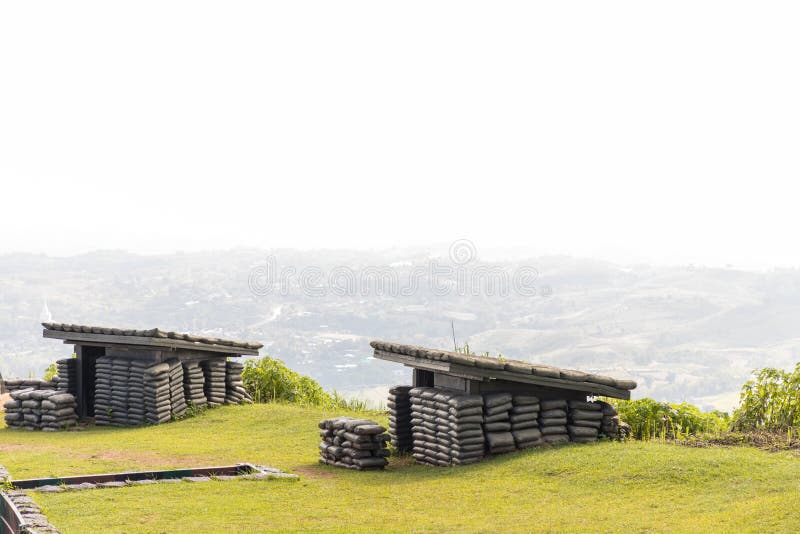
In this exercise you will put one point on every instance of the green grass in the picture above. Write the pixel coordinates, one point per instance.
(636, 486)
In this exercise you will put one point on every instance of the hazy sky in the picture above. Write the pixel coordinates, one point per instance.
(663, 132)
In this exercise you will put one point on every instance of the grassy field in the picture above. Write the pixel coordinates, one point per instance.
(639, 487)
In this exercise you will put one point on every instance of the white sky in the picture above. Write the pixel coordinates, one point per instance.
(632, 131)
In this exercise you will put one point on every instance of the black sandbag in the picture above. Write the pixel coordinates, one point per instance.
(526, 424)
(500, 417)
(586, 415)
(590, 424)
(555, 438)
(553, 421)
(500, 408)
(584, 405)
(491, 400)
(520, 400)
(499, 439)
(553, 404)
(497, 427)
(545, 414)
(525, 408)
(465, 412)
(529, 434)
(523, 417)
(466, 401)
(553, 430)
(581, 432)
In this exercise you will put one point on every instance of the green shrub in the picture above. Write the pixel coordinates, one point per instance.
(270, 380)
(650, 419)
(769, 401)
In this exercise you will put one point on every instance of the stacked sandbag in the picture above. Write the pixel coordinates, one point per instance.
(65, 379)
(58, 410)
(446, 427)
(102, 392)
(525, 421)
(234, 385)
(157, 403)
(214, 374)
(585, 420)
(400, 418)
(610, 424)
(177, 399)
(18, 384)
(353, 443)
(194, 384)
(120, 373)
(13, 412)
(553, 420)
(497, 422)
(136, 404)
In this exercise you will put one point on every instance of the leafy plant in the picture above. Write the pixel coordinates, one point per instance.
(650, 419)
(270, 380)
(51, 371)
(770, 401)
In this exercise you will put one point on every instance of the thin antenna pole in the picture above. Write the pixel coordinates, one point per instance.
(453, 326)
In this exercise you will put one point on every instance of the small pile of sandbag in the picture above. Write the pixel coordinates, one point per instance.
(400, 418)
(525, 421)
(446, 427)
(103, 392)
(497, 422)
(194, 384)
(214, 388)
(40, 409)
(553, 420)
(585, 420)
(157, 404)
(65, 379)
(353, 443)
(234, 385)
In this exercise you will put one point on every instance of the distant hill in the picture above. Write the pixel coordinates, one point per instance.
(688, 333)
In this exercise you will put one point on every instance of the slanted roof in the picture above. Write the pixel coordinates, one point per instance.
(481, 367)
(151, 338)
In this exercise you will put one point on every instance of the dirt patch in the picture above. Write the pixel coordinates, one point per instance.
(312, 472)
(140, 457)
(3, 398)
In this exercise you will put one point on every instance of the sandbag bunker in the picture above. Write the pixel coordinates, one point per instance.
(130, 377)
(462, 408)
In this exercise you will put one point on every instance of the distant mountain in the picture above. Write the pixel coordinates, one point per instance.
(688, 333)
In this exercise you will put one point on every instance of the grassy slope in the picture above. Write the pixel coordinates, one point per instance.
(608, 486)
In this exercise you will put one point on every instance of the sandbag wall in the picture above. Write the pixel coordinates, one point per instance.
(234, 385)
(451, 428)
(447, 427)
(400, 418)
(40, 409)
(132, 392)
(65, 379)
